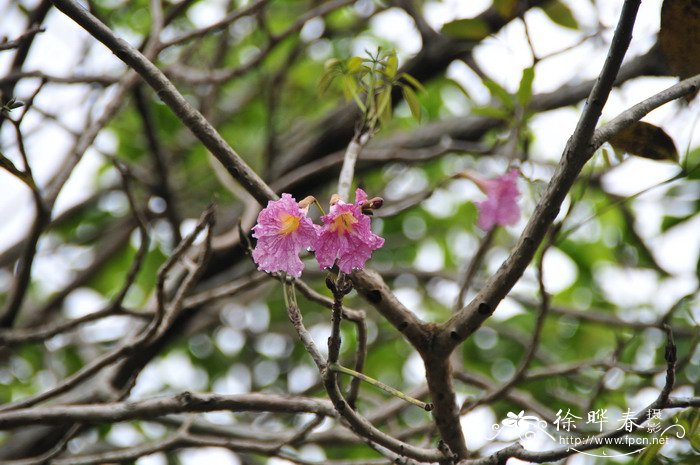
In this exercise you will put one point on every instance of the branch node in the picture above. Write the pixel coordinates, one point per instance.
(374, 296)
(484, 309)
(185, 397)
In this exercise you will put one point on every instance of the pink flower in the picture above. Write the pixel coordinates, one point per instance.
(501, 206)
(282, 231)
(346, 235)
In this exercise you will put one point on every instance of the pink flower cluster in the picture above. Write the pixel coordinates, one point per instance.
(501, 204)
(283, 229)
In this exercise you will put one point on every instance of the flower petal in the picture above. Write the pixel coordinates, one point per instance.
(279, 239)
(346, 236)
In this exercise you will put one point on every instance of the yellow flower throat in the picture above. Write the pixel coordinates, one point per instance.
(290, 223)
(344, 223)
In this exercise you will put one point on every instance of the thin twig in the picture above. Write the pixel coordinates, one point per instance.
(532, 347)
(385, 387)
(12, 44)
(130, 347)
(473, 266)
(663, 401)
(347, 172)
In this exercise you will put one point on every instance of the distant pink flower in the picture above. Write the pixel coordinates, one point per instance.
(282, 231)
(501, 205)
(346, 235)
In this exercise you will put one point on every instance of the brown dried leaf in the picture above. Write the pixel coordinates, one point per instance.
(647, 141)
(679, 37)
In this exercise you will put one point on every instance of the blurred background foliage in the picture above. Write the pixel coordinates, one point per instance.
(606, 277)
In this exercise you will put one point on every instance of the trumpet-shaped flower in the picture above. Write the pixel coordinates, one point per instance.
(282, 231)
(501, 205)
(346, 236)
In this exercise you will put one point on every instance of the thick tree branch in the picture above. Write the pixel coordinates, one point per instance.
(372, 287)
(577, 152)
(151, 408)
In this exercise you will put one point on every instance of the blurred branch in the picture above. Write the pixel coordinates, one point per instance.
(531, 348)
(223, 23)
(47, 456)
(518, 397)
(17, 42)
(34, 20)
(663, 401)
(171, 97)
(162, 186)
(115, 241)
(160, 323)
(217, 76)
(185, 402)
(473, 266)
(391, 149)
(91, 79)
(188, 440)
(12, 337)
(20, 285)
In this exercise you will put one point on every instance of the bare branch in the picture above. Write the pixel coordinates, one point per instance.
(15, 43)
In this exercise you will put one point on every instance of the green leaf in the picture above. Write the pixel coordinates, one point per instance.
(467, 28)
(499, 93)
(384, 105)
(559, 13)
(325, 81)
(410, 96)
(649, 454)
(354, 64)
(491, 112)
(351, 92)
(331, 63)
(505, 8)
(392, 65)
(691, 164)
(524, 93)
(669, 222)
(412, 81)
(331, 69)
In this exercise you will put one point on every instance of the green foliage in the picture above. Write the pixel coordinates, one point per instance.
(468, 29)
(506, 8)
(370, 82)
(524, 93)
(561, 14)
